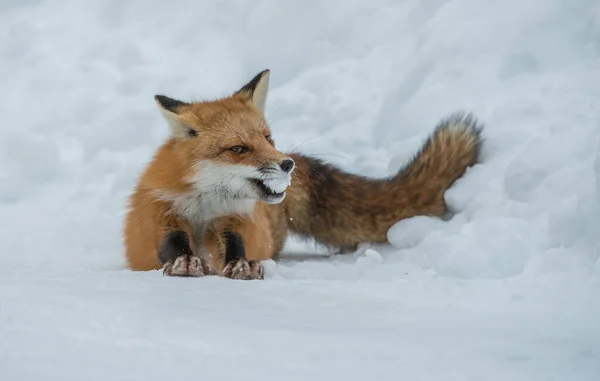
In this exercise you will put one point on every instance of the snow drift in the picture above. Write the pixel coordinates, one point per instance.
(505, 289)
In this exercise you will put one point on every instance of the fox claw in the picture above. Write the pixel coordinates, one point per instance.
(186, 266)
(244, 269)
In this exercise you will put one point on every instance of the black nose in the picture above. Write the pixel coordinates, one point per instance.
(287, 165)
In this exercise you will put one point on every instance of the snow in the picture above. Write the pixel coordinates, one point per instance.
(505, 289)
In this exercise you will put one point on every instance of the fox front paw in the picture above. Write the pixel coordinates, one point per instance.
(244, 269)
(187, 266)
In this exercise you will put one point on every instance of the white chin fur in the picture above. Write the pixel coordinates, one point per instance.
(232, 182)
(226, 179)
(222, 189)
(278, 184)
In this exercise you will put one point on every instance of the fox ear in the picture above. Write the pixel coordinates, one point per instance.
(171, 109)
(256, 90)
(169, 104)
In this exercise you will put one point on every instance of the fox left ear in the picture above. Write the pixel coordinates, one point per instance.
(169, 104)
(256, 90)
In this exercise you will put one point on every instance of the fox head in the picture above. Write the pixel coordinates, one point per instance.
(226, 149)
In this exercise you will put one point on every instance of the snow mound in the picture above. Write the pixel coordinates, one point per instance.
(505, 288)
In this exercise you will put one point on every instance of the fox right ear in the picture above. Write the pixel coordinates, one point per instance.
(171, 109)
(169, 104)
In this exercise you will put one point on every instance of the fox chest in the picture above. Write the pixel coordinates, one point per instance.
(200, 209)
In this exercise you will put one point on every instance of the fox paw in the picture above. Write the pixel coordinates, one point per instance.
(244, 269)
(187, 266)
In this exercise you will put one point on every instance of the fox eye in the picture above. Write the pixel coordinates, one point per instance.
(239, 149)
(268, 137)
(192, 133)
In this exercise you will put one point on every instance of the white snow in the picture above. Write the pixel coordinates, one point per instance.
(507, 289)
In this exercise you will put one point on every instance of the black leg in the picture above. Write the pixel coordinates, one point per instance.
(236, 264)
(175, 244)
(234, 246)
(177, 257)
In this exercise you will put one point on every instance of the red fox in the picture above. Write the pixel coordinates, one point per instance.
(218, 197)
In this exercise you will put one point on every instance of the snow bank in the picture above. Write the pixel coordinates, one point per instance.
(505, 289)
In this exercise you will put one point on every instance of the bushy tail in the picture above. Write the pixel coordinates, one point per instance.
(341, 210)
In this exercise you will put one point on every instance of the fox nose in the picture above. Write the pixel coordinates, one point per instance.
(287, 165)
